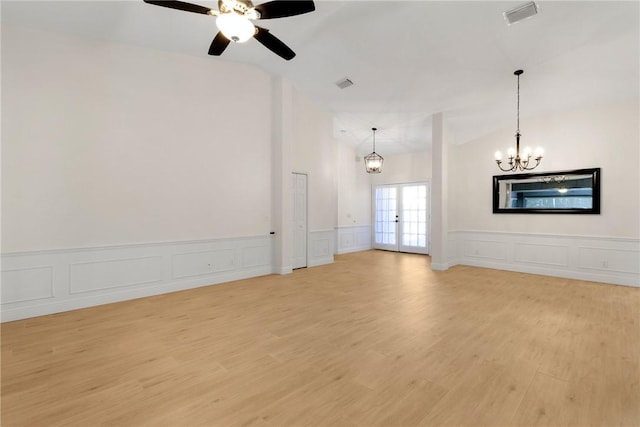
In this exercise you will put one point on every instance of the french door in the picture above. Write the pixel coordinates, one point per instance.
(401, 217)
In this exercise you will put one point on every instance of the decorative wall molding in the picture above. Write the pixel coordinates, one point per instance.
(45, 282)
(353, 238)
(594, 258)
(321, 247)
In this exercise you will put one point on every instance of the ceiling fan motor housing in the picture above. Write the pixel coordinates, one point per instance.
(241, 7)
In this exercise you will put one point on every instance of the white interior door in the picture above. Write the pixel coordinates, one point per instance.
(401, 217)
(299, 220)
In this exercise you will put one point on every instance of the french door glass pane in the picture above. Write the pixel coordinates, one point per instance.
(385, 227)
(414, 215)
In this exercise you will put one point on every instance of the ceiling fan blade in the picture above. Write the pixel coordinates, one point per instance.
(273, 43)
(218, 45)
(284, 8)
(180, 5)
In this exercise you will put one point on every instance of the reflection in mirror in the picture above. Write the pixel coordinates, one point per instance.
(575, 191)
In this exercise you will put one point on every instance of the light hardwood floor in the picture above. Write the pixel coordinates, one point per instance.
(375, 339)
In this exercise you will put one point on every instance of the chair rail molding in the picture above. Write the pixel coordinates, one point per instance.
(612, 260)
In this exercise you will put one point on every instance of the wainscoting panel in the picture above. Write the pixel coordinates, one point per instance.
(28, 284)
(107, 274)
(45, 282)
(485, 249)
(593, 258)
(604, 260)
(202, 263)
(353, 238)
(551, 255)
(256, 256)
(320, 249)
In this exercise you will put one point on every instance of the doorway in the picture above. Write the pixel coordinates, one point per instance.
(299, 220)
(401, 217)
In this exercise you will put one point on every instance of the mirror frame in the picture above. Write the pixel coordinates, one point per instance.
(595, 207)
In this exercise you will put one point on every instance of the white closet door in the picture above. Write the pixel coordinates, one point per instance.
(299, 223)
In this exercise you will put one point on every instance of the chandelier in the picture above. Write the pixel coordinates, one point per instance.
(373, 162)
(519, 161)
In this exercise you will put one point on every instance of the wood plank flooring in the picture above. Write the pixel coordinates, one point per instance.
(375, 339)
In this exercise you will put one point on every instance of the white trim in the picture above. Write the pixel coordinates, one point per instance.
(126, 246)
(320, 247)
(353, 238)
(284, 270)
(603, 259)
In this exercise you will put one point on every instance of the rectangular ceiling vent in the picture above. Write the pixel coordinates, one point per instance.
(522, 12)
(344, 83)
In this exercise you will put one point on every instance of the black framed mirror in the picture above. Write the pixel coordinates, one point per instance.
(565, 192)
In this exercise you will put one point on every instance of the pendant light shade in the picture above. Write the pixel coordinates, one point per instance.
(373, 161)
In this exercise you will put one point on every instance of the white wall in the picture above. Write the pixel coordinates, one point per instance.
(603, 248)
(354, 189)
(108, 144)
(315, 153)
(353, 232)
(605, 136)
(129, 172)
(404, 168)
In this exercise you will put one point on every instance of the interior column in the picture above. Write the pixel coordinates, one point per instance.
(281, 149)
(439, 201)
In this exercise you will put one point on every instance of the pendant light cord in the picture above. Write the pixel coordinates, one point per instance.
(374, 139)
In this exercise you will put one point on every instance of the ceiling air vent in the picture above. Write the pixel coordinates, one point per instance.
(519, 13)
(344, 83)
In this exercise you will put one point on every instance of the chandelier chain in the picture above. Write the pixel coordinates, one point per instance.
(518, 107)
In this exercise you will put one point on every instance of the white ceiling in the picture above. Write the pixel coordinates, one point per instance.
(408, 59)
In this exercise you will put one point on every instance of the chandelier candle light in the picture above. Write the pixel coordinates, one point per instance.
(373, 162)
(519, 162)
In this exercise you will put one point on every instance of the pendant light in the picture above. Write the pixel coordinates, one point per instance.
(517, 161)
(373, 162)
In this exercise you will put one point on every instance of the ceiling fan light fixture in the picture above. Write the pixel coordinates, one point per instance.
(235, 27)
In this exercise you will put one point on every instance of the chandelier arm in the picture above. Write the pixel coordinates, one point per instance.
(532, 167)
(503, 169)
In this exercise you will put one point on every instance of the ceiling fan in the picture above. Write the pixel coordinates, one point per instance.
(234, 21)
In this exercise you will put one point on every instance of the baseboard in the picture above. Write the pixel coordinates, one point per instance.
(283, 270)
(45, 282)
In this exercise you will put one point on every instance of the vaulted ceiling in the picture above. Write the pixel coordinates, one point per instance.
(407, 59)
